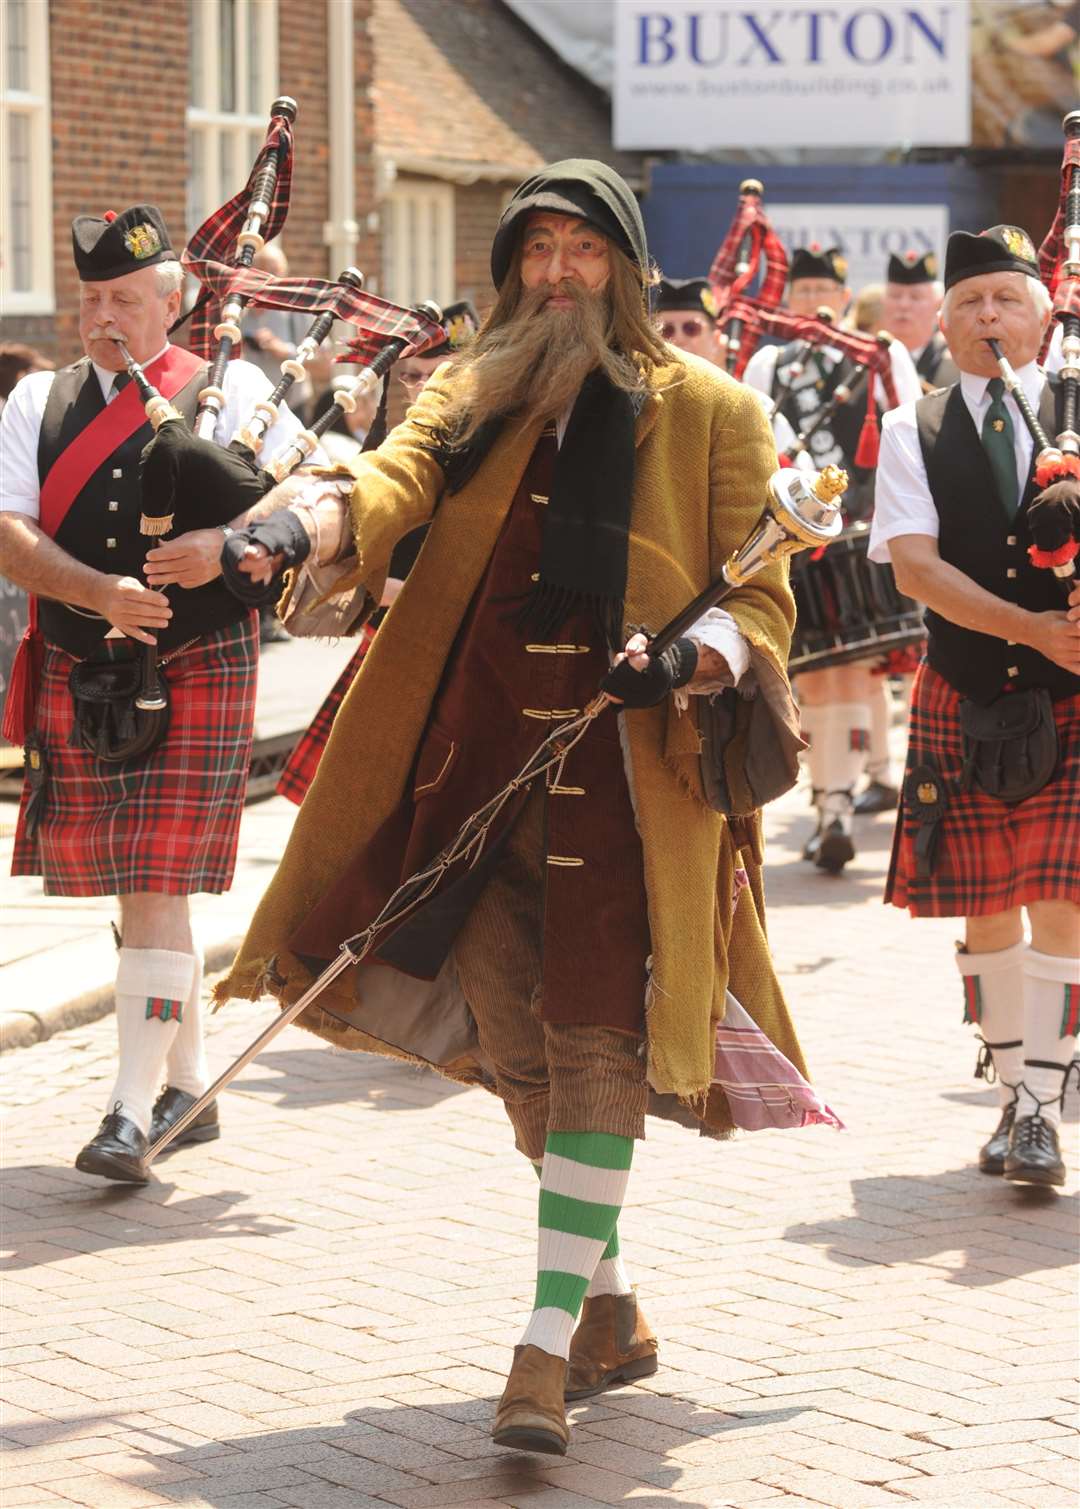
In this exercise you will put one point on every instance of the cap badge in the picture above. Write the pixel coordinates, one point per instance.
(459, 330)
(709, 302)
(930, 263)
(840, 266)
(142, 241)
(1018, 243)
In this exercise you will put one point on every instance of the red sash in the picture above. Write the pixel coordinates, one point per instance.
(117, 422)
(69, 474)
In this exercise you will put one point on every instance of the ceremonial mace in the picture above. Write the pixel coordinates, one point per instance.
(801, 511)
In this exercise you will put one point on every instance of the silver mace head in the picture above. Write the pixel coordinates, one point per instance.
(802, 511)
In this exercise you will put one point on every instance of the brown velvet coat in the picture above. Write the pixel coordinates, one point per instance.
(704, 455)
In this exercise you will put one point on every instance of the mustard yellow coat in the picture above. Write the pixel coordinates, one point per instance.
(704, 455)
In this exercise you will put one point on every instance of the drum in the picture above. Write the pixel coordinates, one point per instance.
(849, 608)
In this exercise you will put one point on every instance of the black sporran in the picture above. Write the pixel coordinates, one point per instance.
(1010, 747)
(107, 721)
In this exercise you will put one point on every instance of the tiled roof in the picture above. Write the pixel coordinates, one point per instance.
(465, 86)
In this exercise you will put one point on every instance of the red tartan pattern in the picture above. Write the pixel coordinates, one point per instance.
(163, 1009)
(859, 739)
(215, 239)
(990, 857)
(972, 999)
(300, 768)
(166, 824)
(1065, 291)
(1070, 1016)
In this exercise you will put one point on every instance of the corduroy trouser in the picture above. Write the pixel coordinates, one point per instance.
(551, 1076)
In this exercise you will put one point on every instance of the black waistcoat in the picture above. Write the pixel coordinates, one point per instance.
(101, 528)
(978, 539)
(935, 366)
(834, 443)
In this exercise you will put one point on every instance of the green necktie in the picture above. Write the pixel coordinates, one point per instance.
(997, 439)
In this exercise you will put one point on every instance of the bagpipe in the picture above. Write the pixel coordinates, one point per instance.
(753, 250)
(186, 478)
(1054, 513)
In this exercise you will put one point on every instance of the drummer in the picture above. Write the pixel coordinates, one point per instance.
(834, 703)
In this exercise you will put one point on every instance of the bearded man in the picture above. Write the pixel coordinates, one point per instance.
(581, 478)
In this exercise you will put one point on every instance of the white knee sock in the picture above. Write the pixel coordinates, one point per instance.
(840, 735)
(185, 1066)
(152, 985)
(994, 1002)
(878, 763)
(814, 722)
(1051, 1013)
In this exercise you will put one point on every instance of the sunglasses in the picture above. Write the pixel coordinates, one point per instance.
(689, 328)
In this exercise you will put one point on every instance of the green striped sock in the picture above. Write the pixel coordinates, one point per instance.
(610, 1252)
(582, 1185)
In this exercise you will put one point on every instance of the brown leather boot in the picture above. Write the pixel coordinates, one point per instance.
(531, 1416)
(613, 1344)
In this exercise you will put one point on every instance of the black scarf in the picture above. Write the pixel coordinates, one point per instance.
(587, 521)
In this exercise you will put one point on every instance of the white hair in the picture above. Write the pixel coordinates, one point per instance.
(1040, 297)
(170, 278)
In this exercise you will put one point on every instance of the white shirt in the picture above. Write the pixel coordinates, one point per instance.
(20, 426)
(761, 368)
(902, 501)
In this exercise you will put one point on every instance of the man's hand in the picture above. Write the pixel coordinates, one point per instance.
(191, 560)
(638, 679)
(133, 608)
(1057, 636)
(272, 344)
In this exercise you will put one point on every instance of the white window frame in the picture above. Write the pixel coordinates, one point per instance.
(33, 104)
(404, 259)
(209, 121)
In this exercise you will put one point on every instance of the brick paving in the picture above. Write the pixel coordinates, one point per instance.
(318, 1310)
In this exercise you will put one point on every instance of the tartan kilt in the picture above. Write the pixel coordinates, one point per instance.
(300, 768)
(167, 824)
(991, 856)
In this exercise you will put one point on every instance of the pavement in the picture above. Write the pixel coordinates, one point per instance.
(57, 955)
(318, 1309)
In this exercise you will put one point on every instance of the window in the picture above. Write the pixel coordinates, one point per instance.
(26, 242)
(232, 52)
(417, 222)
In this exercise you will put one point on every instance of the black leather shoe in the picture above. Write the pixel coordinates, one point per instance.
(877, 797)
(117, 1152)
(835, 849)
(992, 1153)
(168, 1109)
(1034, 1155)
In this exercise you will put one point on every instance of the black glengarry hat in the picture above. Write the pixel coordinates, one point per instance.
(460, 323)
(1002, 248)
(583, 188)
(813, 262)
(685, 293)
(911, 268)
(110, 245)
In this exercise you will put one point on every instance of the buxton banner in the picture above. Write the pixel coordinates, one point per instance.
(704, 75)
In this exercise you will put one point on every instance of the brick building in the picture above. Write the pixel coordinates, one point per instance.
(416, 119)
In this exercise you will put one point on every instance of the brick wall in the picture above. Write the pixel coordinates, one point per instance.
(302, 47)
(476, 213)
(119, 93)
(119, 78)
